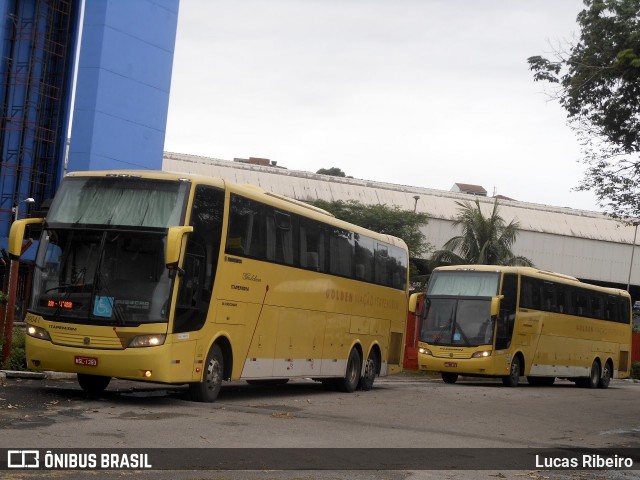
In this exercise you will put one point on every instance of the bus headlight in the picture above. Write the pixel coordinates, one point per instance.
(38, 332)
(147, 341)
(424, 351)
(486, 353)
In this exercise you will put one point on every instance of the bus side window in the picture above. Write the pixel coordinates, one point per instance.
(507, 315)
(201, 260)
(312, 249)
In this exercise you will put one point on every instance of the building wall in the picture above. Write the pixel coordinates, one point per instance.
(124, 77)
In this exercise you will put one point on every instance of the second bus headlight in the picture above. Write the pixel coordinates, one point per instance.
(147, 341)
(424, 351)
(486, 353)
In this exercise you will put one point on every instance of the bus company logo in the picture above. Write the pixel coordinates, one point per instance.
(23, 459)
(63, 327)
(340, 295)
(251, 277)
(240, 287)
(584, 328)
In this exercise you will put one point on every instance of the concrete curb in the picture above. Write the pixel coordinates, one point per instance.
(4, 374)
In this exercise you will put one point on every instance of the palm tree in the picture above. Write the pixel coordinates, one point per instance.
(484, 240)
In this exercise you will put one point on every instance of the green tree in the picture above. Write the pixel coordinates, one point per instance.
(484, 240)
(597, 81)
(404, 224)
(333, 171)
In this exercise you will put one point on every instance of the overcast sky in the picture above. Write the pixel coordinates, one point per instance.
(412, 92)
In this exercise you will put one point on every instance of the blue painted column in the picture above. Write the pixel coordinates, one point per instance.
(124, 77)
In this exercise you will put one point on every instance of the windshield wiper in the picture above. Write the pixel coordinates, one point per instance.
(70, 286)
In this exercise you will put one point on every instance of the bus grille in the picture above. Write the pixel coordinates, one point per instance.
(454, 354)
(86, 341)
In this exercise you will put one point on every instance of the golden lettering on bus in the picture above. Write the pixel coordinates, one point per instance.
(339, 295)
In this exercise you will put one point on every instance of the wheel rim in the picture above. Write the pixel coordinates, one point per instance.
(214, 374)
(370, 369)
(515, 369)
(606, 374)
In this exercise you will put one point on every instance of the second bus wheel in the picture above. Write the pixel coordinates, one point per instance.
(208, 389)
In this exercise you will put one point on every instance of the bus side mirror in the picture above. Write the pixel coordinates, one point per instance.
(495, 305)
(415, 303)
(16, 235)
(174, 245)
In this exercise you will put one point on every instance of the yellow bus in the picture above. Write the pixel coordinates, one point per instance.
(508, 322)
(185, 279)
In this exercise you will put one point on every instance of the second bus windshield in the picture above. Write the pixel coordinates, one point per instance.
(459, 308)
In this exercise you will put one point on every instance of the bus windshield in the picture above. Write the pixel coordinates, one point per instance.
(118, 201)
(104, 277)
(459, 322)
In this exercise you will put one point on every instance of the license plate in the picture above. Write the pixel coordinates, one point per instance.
(450, 364)
(86, 361)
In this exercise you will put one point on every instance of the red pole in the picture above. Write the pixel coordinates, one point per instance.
(11, 307)
(3, 305)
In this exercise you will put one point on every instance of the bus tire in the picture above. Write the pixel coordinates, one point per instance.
(513, 378)
(93, 384)
(605, 376)
(352, 376)
(208, 389)
(594, 376)
(370, 371)
(449, 377)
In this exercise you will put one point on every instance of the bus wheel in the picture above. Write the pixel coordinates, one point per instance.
(354, 366)
(513, 378)
(605, 377)
(594, 377)
(93, 384)
(208, 389)
(449, 377)
(370, 369)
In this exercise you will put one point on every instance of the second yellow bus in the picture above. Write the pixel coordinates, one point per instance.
(508, 322)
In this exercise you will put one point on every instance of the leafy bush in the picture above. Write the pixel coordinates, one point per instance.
(18, 359)
(635, 370)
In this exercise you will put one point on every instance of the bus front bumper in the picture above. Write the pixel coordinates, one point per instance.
(152, 364)
(493, 365)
